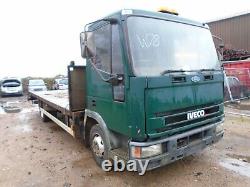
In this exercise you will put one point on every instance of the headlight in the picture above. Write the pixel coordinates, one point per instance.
(219, 128)
(144, 152)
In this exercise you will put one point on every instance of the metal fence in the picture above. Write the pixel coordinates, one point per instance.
(236, 84)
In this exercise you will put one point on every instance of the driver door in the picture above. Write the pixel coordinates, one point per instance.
(103, 97)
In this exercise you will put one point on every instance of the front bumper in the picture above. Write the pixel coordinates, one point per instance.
(181, 145)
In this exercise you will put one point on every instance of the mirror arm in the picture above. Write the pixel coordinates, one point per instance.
(100, 74)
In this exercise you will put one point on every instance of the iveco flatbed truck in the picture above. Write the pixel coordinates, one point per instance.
(151, 89)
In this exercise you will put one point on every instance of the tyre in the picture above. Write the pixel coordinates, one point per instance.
(44, 117)
(98, 144)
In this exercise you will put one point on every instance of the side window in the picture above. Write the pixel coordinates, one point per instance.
(117, 64)
(102, 37)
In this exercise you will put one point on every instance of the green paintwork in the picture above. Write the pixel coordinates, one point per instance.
(145, 97)
(100, 99)
(160, 97)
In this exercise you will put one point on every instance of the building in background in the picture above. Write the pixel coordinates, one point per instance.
(233, 30)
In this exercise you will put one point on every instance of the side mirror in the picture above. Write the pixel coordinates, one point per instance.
(87, 44)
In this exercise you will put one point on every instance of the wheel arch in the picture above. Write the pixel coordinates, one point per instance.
(91, 118)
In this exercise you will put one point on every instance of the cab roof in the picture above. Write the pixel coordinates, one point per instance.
(122, 14)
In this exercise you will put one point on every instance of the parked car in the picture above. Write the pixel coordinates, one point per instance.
(60, 84)
(37, 85)
(237, 89)
(11, 86)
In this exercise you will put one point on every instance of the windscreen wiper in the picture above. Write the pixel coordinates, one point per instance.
(172, 71)
(210, 69)
(182, 71)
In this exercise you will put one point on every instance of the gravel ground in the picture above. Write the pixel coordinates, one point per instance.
(34, 153)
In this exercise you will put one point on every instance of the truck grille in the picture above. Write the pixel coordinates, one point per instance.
(177, 120)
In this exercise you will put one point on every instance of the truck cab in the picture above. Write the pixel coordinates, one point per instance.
(155, 84)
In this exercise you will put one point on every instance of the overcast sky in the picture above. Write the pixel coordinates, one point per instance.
(41, 37)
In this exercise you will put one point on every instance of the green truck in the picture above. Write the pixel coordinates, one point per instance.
(152, 89)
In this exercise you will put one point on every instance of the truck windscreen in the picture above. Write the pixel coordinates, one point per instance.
(159, 45)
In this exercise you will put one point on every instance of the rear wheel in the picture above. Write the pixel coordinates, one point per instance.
(98, 144)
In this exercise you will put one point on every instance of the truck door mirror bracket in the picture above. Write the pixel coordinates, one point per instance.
(115, 80)
(112, 21)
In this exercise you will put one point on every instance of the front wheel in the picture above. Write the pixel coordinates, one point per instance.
(98, 144)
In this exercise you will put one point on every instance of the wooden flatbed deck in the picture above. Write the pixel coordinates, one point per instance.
(58, 99)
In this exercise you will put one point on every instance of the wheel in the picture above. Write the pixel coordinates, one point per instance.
(44, 117)
(98, 144)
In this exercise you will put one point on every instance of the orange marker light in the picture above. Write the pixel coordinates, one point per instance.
(167, 10)
(136, 152)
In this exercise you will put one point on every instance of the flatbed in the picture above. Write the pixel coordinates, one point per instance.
(61, 106)
(58, 99)
(52, 104)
